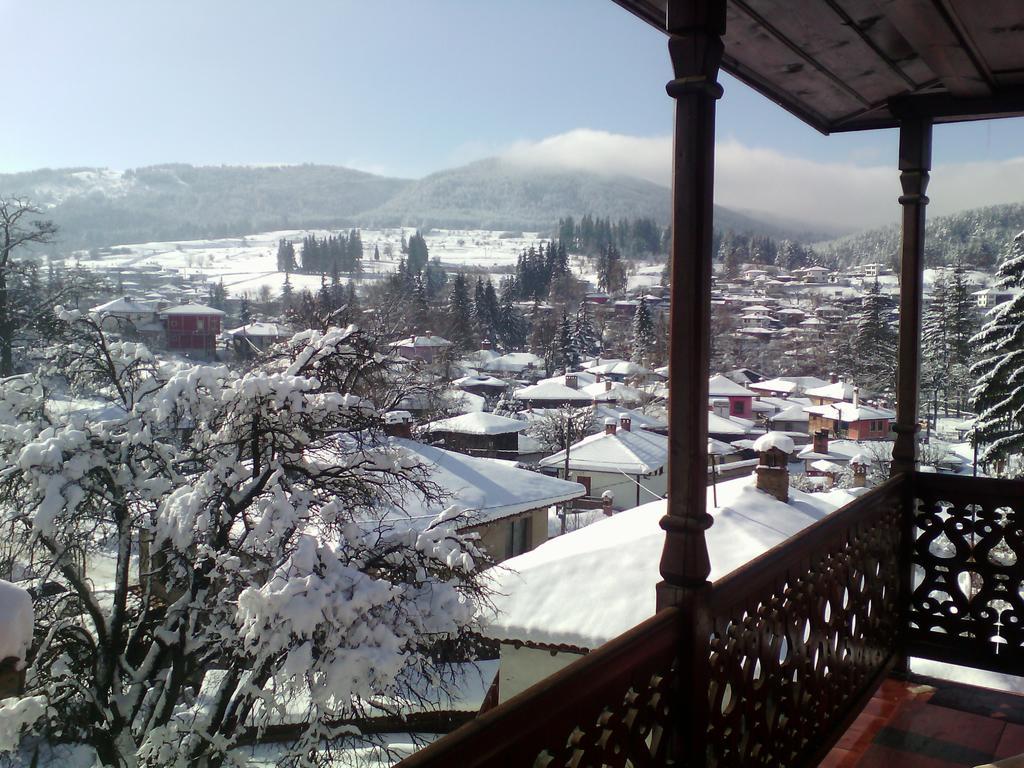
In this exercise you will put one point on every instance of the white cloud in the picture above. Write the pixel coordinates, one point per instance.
(753, 178)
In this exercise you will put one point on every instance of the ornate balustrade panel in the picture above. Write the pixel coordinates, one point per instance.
(967, 600)
(611, 708)
(804, 634)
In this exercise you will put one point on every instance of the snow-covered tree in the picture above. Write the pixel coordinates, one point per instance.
(643, 332)
(585, 338)
(208, 547)
(998, 395)
(874, 345)
(460, 322)
(563, 352)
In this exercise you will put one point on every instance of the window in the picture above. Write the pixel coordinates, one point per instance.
(584, 481)
(519, 531)
(737, 406)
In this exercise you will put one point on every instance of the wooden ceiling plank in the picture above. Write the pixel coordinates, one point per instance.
(799, 52)
(927, 27)
(849, 22)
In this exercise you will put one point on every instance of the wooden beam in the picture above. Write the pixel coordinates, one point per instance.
(926, 25)
(915, 160)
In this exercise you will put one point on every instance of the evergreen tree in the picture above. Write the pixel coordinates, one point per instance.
(512, 326)
(643, 332)
(244, 312)
(376, 252)
(935, 360)
(460, 321)
(419, 308)
(611, 273)
(285, 256)
(998, 395)
(286, 290)
(418, 255)
(875, 344)
(584, 338)
(565, 355)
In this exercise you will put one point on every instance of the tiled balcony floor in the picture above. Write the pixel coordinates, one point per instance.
(932, 724)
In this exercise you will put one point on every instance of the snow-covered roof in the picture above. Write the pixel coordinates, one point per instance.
(789, 384)
(192, 309)
(604, 411)
(586, 587)
(582, 377)
(604, 367)
(840, 390)
(551, 390)
(850, 412)
(418, 342)
(487, 489)
(635, 452)
(124, 306)
(478, 424)
(795, 412)
(777, 440)
(845, 450)
(272, 330)
(18, 619)
(724, 425)
(628, 368)
(616, 390)
(824, 465)
(720, 386)
(479, 381)
(513, 362)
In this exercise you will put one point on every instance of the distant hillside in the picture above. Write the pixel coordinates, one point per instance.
(977, 237)
(100, 207)
(97, 206)
(496, 194)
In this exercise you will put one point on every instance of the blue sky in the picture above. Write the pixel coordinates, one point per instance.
(400, 87)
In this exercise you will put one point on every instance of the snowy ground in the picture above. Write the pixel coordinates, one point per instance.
(245, 264)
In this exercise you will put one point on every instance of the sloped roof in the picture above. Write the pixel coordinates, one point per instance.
(273, 330)
(550, 390)
(192, 309)
(720, 386)
(840, 390)
(850, 412)
(635, 452)
(123, 305)
(789, 384)
(478, 423)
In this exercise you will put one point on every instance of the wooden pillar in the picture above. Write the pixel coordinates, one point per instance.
(695, 30)
(695, 44)
(915, 163)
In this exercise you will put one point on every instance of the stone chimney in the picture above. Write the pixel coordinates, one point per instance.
(856, 397)
(607, 499)
(486, 344)
(607, 385)
(625, 422)
(821, 441)
(398, 424)
(833, 378)
(860, 464)
(609, 426)
(571, 381)
(772, 471)
(428, 334)
(598, 377)
(412, 339)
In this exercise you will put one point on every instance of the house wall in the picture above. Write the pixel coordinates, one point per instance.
(863, 430)
(741, 406)
(192, 331)
(623, 488)
(495, 536)
(519, 668)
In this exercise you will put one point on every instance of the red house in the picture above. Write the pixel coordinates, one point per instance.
(192, 328)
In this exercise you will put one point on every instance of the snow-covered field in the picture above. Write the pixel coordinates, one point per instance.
(245, 264)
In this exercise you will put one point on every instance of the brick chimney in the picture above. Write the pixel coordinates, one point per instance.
(607, 499)
(571, 381)
(598, 377)
(772, 471)
(428, 334)
(833, 378)
(856, 397)
(398, 424)
(486, 344)
(859, 464)
(607, 385)
(625, 422)
(609, 426)
(821, 441)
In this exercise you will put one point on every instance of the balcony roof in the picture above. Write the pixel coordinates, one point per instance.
(848, 65)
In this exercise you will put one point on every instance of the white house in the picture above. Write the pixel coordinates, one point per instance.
(628, 463)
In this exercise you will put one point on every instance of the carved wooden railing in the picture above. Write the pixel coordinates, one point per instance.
(966, 571)
(802, 636)
(783, 653)
(612, 707)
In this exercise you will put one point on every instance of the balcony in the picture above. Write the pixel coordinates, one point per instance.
(773, 663)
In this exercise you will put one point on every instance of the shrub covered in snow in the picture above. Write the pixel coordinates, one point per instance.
(239, 521)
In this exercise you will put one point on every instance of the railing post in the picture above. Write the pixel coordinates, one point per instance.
(915, 163)
(695, 30)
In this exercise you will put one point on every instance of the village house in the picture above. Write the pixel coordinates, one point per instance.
(255, 338)
(740, 398)
(427, 347)
(477, 434)
(507, 506)
(554, 394)
(626, 463)
(854, 421)
(192, 328)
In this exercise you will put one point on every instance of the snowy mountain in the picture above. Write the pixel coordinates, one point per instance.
(99, 207)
